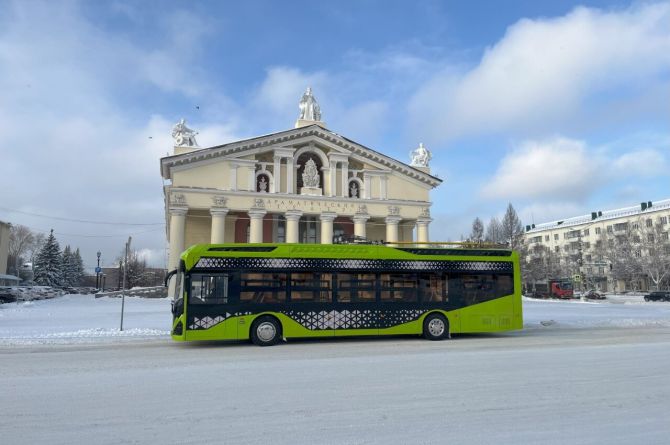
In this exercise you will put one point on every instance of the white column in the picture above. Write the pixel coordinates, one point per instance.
(218, 224)
(367, 186)
(176, 241)
(256, 225)
(233, 177)
(345, 179)
(276, 174)
(251, 181)
(327, 219)
(333, 179)
(422, 229)
(359, 224)
(392, 228)
(292, 220)
(289, 175)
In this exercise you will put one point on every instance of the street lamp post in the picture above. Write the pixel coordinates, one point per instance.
(97, 272)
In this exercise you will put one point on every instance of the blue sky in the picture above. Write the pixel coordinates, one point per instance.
(560, 108)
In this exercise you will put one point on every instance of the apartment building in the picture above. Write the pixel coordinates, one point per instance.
(586, 245)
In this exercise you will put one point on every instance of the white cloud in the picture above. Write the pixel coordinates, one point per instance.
(645, 163)
(557, 167)
(543, 71)
(71, 148)
(282, 88)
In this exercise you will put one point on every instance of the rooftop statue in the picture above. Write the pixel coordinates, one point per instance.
(420, 156)
(309, 108)
(183, 136)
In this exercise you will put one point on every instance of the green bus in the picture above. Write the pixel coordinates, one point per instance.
(270, 292)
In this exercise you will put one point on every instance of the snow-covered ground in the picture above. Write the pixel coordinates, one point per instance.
(83, 318)
(86, 319)
(580, 373)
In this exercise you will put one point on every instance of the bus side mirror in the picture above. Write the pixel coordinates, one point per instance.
(169, 275)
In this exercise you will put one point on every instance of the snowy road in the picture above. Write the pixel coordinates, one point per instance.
(550, 386)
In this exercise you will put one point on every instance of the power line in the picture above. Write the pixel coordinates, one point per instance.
(81, 220)
(92, 236)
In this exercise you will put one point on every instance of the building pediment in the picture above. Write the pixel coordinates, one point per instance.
(336, 147)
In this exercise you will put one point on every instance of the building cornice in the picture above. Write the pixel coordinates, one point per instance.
(604, 215)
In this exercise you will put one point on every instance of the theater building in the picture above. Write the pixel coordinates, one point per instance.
(303, 185)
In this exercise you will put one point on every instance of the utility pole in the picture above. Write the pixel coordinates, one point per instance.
(123, 288)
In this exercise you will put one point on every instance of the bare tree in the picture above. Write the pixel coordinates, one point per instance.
(477, 234)
(512, 229)
(494, 232)
(654, 248)
(21, 241)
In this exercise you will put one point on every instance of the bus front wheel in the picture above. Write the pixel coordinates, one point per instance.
(266, 331)
(435, 327)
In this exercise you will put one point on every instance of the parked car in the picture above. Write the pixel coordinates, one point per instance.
(662, 295)
(592, 294)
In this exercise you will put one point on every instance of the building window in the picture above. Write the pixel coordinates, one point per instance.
(555, 236)
(597, 230)
(649, 223)
(536, 239)
(663, 220)
(587, 245)
(664, 236)
(635, 226)
(589, 270)
(650, 237)
(586, 232)
(637, 253)
(621, 226)
(609, 229)
(601, 271)
(309, 230)
(546, 237)
(556, 249)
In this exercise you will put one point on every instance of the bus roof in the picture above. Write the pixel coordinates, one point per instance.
(352, 251)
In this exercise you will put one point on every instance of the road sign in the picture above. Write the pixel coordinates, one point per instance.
(577, 278)
(98, 269)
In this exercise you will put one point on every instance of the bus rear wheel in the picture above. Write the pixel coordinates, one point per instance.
(266, 331)
(435, 327)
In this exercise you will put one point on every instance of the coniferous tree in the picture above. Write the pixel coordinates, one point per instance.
(48, 263)
(78, 268)
(67, 278)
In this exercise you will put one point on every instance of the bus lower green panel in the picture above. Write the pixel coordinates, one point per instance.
(226, 330)
(496, 315)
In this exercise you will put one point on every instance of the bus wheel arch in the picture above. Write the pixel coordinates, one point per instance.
(436, 326)
(266, 330)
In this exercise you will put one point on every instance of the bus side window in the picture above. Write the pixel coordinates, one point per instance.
(434, 288)
(195, 295)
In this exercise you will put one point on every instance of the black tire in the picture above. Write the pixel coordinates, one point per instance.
(646, 298)
(436, 327)
(266, 331)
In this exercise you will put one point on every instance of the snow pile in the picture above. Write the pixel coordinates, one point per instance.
(617, 311)
(83, 318)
